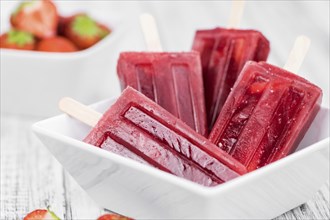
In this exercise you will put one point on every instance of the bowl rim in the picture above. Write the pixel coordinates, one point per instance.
(39, 127)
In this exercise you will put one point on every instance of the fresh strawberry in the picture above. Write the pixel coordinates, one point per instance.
(38, 17)
(41, 214)
(85, 31)
(62, 23)
(113, 217)
(15, 39)
(56, 44)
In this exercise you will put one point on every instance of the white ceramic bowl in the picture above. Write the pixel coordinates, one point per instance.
(33, 82)
(136, 190)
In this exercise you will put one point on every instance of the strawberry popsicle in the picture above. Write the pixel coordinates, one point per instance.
(173, 80)
(223, 55)
(266, 115)
(138, 128)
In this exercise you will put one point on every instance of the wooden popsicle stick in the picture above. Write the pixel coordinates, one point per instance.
(79, 111)
(150, 32)
(236, 13)
(297, 54)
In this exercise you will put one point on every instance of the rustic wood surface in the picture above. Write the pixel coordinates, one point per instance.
(31, 178)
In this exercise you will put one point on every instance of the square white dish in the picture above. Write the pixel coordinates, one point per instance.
(139, 191)
(33, 82)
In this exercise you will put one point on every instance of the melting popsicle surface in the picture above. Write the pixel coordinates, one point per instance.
(223, 55)
(173, 80)
(266, 115)
(138, 128)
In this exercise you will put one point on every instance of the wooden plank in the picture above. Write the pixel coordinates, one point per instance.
(31, 178)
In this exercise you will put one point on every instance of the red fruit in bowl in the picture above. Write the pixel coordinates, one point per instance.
(62, 23)
(38, 17)
(56, 44)
(85, 31)
(113, 217)
(41, 214)
(16, 39)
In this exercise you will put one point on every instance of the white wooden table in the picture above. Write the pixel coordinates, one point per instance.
(31, 178)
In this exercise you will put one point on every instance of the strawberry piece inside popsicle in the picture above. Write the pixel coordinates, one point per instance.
(223, 55)
(266, 115)
(173, 80)
(138, 128)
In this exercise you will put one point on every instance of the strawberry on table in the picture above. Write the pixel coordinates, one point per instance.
(56, 44)
(38, 17)
(16, 39)
(41, 214)
(85, 31)
(113, 217)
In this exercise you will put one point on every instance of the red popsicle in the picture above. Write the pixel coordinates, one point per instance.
(173, 80)
(266, 115)
(223, 54)
(138, 128)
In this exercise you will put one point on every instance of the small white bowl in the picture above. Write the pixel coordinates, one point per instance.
(33, 82)
(139, 191)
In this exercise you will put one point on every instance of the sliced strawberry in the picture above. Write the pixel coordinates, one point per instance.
(113, 217)
(37, 17)
(15, 39)
(41, 214)
(56, 44)
(85, 31)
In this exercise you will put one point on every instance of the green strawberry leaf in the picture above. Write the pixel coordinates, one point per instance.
(24, 5)
(84, 25)
(54, 216)
(20, 38)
